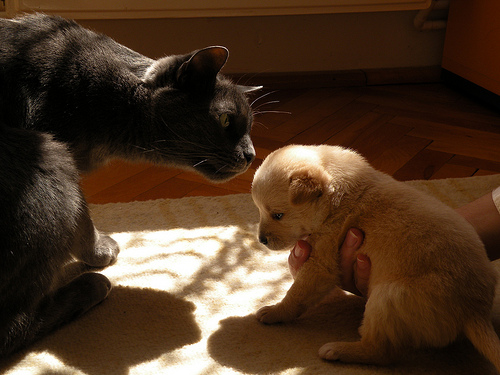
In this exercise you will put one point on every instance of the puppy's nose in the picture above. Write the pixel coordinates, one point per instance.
(263, 240)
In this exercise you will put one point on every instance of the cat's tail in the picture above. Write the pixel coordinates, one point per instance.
(483, 336)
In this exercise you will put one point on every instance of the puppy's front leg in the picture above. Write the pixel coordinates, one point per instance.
(311, 285)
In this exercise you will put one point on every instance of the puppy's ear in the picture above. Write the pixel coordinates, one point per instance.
(308, 185)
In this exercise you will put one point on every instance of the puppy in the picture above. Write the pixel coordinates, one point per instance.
(430, 278)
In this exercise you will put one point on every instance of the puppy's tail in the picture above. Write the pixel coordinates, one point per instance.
(483, 336)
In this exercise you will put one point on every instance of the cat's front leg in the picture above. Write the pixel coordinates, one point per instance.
(105, 251)
(311, 285)
(92, 247)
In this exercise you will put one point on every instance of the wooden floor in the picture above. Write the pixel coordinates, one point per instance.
(425, 131)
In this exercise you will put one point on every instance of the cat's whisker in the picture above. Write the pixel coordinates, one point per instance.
(201, 162)
(249, 76)
(278, 112)
(218, 170)
(243, 76)
(189, 142)
(261, 124)
(143, 149)
(204, 152)
(266, 103)
(262, 96)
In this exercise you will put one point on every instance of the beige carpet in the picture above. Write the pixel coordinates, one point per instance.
(188, 280)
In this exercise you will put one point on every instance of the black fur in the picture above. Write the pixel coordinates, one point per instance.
(105, 100)
(70, 99)
(44, 225)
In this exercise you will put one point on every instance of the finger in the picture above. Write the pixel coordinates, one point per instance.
(362, 273)
(298, 256)
(351, 244)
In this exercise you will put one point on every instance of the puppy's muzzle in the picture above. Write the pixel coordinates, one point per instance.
(263, 239)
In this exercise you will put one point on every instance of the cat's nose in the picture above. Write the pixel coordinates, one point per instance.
(249, 153)
(250, 157)
(263, 239)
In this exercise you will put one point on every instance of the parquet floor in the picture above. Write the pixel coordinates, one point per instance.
(424, 131)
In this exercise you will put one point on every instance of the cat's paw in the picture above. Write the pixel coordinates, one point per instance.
(106, 251)
(80, 295)
(96, 286)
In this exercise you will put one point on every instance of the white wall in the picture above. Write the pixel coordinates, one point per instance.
(304, 43)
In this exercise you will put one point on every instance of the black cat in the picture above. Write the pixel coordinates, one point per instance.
(44, 225)
(73, 99)
(105, 100)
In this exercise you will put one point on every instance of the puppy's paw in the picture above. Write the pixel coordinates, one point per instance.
(359, 352)
(331, 351)
(269, 315)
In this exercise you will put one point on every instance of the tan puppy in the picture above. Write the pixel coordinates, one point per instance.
(430, 278)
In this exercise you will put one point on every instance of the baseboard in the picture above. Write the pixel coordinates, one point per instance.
(471, 89)
(344, 78)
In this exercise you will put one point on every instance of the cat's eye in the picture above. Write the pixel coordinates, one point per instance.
(277, 216)
(224, 120)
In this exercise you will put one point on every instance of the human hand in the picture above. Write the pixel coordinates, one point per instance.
(355, 268)
(298, 256)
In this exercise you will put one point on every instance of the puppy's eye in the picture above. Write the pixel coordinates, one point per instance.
(224, 120)
(277, 216)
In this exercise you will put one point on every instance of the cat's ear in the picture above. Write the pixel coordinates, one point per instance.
(200, 71)
(247, 89)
